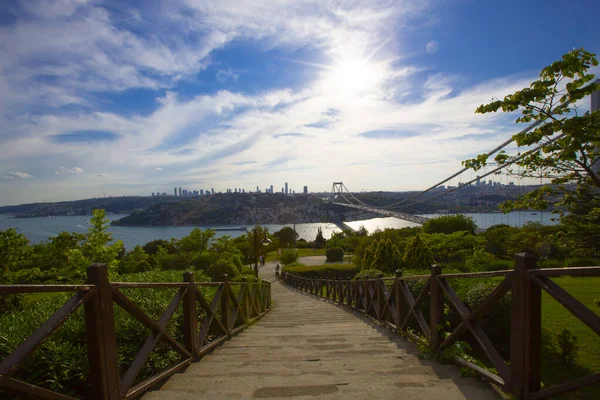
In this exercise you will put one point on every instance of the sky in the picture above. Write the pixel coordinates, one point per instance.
(112, 98)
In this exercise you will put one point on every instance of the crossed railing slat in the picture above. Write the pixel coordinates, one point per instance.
(395, 306)
(252, 301)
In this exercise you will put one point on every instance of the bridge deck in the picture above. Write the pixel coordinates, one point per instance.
(306, 348)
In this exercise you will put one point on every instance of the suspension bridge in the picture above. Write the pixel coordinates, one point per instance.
(340, 195)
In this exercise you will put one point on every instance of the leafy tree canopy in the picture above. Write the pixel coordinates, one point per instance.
(566, 145)
(286, 236)
(450, 224)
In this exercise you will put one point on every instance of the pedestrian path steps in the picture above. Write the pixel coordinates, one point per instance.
(306, 348)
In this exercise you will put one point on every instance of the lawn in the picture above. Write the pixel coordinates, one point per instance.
(272, 256)
(555, 318)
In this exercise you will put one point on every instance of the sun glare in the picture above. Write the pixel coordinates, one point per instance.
(353, 77)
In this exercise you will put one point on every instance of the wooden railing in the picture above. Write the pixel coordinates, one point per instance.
(248, 302)
(390, 301)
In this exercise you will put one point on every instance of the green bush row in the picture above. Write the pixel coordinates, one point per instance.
(344, 271)
(60, 364)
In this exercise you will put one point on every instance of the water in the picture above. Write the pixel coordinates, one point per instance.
(40, 229)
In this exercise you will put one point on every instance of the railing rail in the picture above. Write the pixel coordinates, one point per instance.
(391, 302)
(98, 296)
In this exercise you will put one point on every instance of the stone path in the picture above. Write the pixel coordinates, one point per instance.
(306, 348)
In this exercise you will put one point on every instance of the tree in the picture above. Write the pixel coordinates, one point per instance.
(450, 224)
(320, 240)
(457, 246)
(135, 261)
(387, 257)
(14, 250)
(566, 145)
(191, 247)
(95, 248)
(369, 255)
(286, 236)
(418, 255)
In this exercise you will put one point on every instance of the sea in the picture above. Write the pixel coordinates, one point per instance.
(40, 229)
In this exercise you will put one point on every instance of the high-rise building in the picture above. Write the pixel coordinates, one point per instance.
(282, 191)
(212, 190)
(305, 189)
(180, 191)
(271, 189)
(286, 188)
(174, 191)
(257, 190)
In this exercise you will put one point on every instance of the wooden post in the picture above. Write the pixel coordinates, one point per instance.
(380, 297)
(526, 329)
(102, 337)
(399, 301)
(436, 310)
(190, 316)
(225, 306)
(366, 294)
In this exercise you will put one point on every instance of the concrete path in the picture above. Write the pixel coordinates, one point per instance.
(306, 348)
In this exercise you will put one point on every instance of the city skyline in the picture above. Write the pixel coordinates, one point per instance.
(126, 98)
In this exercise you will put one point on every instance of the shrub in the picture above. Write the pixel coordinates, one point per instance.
(418, 255)
(580, 262)
(479, 261)
(288, 256)
(372, 273)
(334, 254)
(387, 257)
(496, 322)
(344, 271)
(568, 346)
(219, 268)
(450, 224)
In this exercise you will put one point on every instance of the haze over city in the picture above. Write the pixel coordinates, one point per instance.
(130, 98)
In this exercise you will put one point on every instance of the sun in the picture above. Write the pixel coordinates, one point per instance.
(353, 77)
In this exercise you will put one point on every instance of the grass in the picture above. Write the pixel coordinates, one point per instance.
(555, 318)
(272, 256)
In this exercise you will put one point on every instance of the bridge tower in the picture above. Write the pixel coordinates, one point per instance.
(336, 188)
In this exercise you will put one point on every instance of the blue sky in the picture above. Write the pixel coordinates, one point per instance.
(129, 98)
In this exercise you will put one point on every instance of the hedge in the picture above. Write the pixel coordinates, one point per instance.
(345, 271)
(334, 254)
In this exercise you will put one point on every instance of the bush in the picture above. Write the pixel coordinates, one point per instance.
(418, 255)
(334, 254)
(496, 322)
(288, 256)
(344, 271)
(450, 224)
(219, 268)
(568, 346)
(479, 261)
(387, 257)
(580, 262)
(372, 273)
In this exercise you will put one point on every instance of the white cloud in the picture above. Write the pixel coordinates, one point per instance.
(432, 47)
(18, 175)
(310, 134)
(64, 170)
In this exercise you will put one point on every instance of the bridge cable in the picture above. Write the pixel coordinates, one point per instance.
(527, 153)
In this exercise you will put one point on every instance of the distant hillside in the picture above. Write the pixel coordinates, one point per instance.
(116, 205)
(237, 209)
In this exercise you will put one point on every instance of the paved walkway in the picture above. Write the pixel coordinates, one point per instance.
(306, 348)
